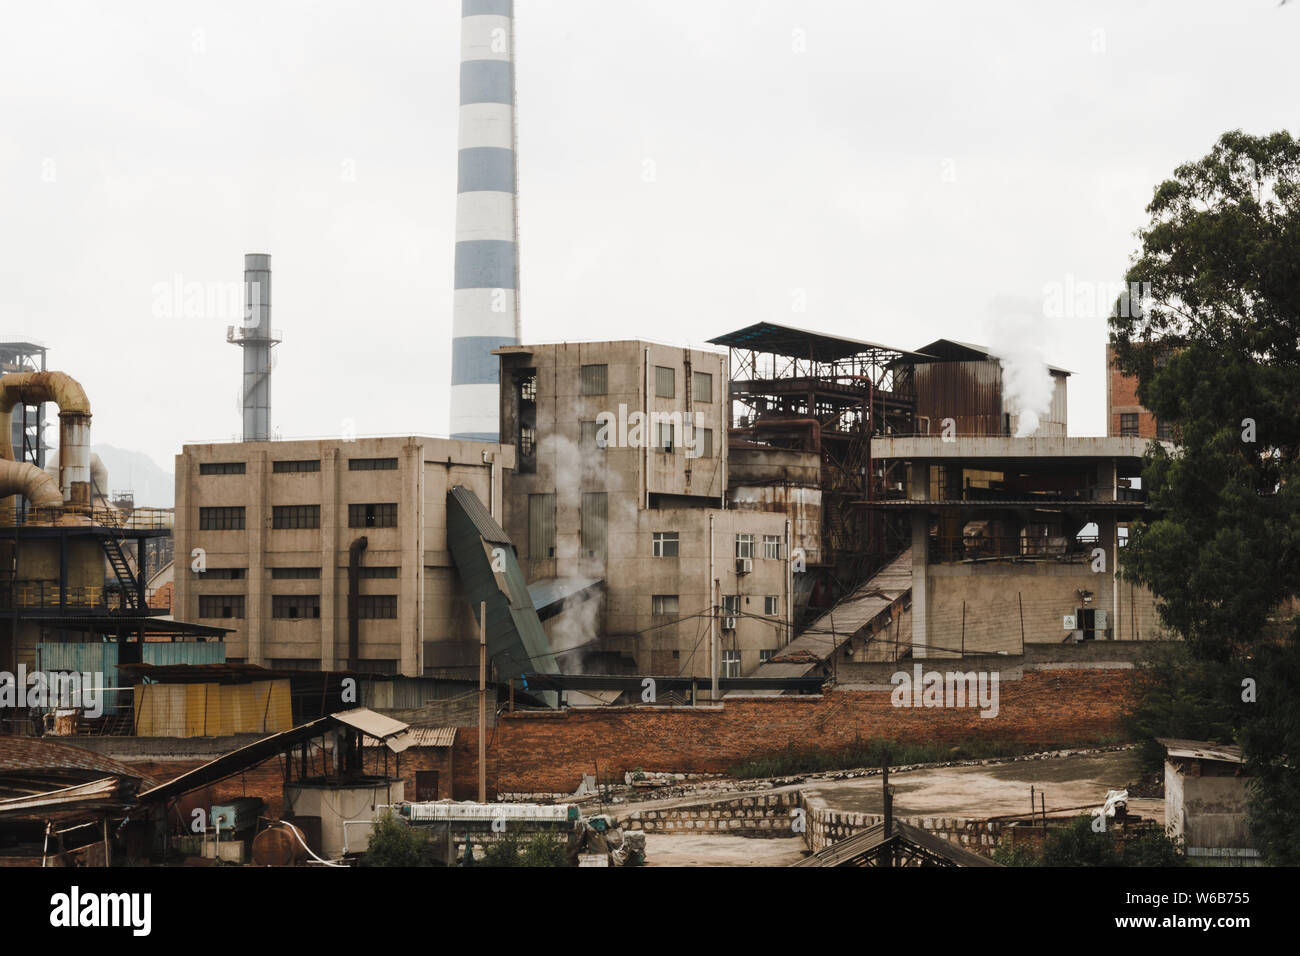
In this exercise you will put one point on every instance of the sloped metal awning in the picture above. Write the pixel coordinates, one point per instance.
(393, 733)
(490, 573)
(229, 764)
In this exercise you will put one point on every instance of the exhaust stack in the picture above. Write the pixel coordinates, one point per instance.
(485, 311)
(256, 338)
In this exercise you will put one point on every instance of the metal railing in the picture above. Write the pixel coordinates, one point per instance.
(140, 519)
(48, 594)
(1011, 548)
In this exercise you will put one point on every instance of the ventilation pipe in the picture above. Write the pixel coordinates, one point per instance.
(24, 478)
(32, 388)
(354, 590)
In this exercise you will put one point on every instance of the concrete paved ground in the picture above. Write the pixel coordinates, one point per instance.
(988, 791)
(716, 850)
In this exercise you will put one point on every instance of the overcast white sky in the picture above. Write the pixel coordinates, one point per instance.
(914, 168)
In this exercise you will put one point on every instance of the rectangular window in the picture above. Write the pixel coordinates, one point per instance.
(295, 605)
(1164, 431)
(744, 545)
(372, 516)
(223, 574)
(1128, 424)
(372, 464)
(665, 382)
(731, 663)
(771, 547)
(731, 605)
(291, 467)
(527, 440)
(664, 438)
(665, 544)
(221, 519)
(373, 606)
(772, 605)
(221, 605)
(702, 387)
(704, 440)
(221, 468)
(594, 379)
(284, 517)
(764, 656)
(595, 521)
(591, 437)
(663, 605)
(541, 526)
(294, 574)
(377, 572)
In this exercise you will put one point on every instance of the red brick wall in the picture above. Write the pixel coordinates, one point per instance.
(1121, 396)
(549, 752)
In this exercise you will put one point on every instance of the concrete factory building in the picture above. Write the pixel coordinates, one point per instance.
(622, 477)
(271, 537)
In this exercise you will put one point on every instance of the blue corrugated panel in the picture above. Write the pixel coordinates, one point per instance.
(185, 652)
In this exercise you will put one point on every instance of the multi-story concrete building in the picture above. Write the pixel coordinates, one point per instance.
(623, 477)
(266, 533)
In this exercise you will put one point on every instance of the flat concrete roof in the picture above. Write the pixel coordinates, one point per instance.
(996, 447)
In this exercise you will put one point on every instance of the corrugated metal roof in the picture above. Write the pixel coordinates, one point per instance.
(425, 737)
(486, 525)
(546, 593)
(949, 350)
(849, 850)
(799, 343)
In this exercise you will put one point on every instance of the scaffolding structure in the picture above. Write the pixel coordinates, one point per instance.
(795, 389)
(28, 420)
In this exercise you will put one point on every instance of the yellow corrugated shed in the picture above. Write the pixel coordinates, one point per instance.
(212, 710)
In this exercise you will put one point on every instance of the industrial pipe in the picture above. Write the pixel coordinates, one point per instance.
(32, 388)
(24, 478)
(354, 590)
(98, 471)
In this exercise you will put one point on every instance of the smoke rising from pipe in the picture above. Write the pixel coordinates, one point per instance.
(1015, 330)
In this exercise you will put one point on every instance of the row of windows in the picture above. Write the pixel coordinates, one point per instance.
(1128, 427)
(665, 439)
(383, 515)
(289, 466)
(666, 544)
(294, 574)
(594, 380)
(369, 606)
(668, 605)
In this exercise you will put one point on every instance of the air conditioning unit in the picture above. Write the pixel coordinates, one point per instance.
(744, 565)
(728, 623)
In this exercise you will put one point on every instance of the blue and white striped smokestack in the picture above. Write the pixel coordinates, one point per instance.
(485, 313)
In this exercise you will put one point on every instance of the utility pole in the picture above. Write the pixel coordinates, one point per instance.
(482, 702)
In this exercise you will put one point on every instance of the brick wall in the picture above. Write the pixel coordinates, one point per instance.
(549, 752)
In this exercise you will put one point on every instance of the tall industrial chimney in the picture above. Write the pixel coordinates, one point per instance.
(485, 312)
(256, 338)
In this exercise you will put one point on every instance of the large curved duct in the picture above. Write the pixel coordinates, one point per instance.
(98, 470)
(24, 478)
(32, 388)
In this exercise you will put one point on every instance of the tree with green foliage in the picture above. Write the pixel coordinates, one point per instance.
(1078, 844)
(1215, 347)
(394, 842)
